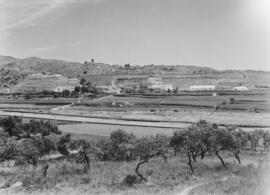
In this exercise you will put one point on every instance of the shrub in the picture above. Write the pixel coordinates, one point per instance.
(266, 140)
(11, 125)
(254, 137)
(27, 152)
(104, 149)
(40, 127)
(38, 143)
(62, 145)
(231, 100)
(121, 145)
(49, 145)
(130, 180)
(8, 147)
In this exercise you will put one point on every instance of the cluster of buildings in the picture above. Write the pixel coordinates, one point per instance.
(155, 84)
(135, 83)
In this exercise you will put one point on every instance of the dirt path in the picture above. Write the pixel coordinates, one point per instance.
(189, 189)
(95, 120)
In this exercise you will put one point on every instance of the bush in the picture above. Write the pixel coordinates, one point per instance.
(122, 145)
(40, 127)
(63, 149)
(27, 152)
(11, 125)
(130, 180)
(62, 145)
(49, 145)
(231, 100)
(8, 147)
(38, 143)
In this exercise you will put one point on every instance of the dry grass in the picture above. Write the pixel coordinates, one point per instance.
(69, 177)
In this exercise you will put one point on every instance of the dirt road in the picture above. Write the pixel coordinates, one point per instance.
(95, 120)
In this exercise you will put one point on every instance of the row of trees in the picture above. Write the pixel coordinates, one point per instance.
(197, 141)
(28, 142)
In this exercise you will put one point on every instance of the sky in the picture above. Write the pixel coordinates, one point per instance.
(223, 34)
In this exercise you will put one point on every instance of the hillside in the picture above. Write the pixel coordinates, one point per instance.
(35, 64)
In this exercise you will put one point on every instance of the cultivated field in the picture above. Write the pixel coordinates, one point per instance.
(105, 130)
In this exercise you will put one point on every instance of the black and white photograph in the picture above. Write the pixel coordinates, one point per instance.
(134, 97)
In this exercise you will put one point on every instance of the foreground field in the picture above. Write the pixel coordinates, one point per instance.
(172, 177)
(154, 118)
(105, 130)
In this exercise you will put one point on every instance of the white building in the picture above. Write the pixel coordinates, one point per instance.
(62, 88)
(161, 87)
(240, 88)
(203, 88)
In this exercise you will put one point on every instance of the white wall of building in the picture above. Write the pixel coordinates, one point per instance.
(202, 88)
(240, 88)
(162, 87)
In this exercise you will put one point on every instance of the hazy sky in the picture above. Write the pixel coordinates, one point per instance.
(224, 34)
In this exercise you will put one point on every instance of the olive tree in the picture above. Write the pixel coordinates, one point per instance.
(11, 125)
(122, 145)
(8, 146)
(27, 152)
(149, 147)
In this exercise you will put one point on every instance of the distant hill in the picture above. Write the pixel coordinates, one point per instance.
(15, 71)
(35, 64)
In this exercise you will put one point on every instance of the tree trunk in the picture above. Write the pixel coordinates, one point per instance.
(165, 157)
(175, 151)
(45, 169)
(190, 162)
(236, 155)
(9, 132)
(238, 159)
(86, 158)
(202, 154)
(221, 159)
(137, 169)
(193, 156)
